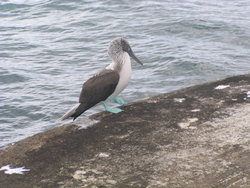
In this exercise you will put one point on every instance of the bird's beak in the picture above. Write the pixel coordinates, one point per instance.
(131, 54)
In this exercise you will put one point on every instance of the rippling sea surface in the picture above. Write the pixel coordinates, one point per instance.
(48, 48)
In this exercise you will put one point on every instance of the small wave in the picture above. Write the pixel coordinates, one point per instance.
(21, 2)
(12, 78)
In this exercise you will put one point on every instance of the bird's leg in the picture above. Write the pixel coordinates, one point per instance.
(118, 100)
(112, 110)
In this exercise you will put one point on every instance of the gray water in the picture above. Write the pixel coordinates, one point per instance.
(49, 48)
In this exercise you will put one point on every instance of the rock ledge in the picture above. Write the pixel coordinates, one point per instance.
(194, 137)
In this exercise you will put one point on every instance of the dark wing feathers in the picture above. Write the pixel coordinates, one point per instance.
(99, 87)
(96, 89)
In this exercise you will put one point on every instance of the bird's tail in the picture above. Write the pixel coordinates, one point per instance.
(76, 111)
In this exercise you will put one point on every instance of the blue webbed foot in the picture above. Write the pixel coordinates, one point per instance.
(112, 110)
(118, 100)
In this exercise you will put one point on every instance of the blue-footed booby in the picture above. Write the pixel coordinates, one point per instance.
(109, 82)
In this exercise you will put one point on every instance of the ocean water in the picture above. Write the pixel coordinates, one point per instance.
(48, 48)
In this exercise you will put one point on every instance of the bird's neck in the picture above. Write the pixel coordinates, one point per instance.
(120, 62)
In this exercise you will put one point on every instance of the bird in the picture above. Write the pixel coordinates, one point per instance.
(108, 83)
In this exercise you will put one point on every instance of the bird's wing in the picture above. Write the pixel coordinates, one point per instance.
(96, 89)
(99, 87)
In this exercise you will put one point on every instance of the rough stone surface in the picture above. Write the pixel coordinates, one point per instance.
(194, 137)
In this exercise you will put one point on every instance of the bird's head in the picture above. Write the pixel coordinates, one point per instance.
(119, 46)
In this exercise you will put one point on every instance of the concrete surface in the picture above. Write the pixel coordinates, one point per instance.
(194, 137)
